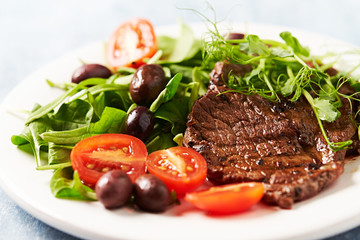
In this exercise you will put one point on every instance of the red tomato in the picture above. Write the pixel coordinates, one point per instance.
(131, 43)
(181, 169)
(227, 199)
(96, 155)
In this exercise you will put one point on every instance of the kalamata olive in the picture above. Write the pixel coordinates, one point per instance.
(114, 189)
(90, 71)
(140, 123)
(151, 194)
(234, 35)
(148, 81)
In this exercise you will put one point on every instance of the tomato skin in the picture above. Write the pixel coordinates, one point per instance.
(227, 199)
(92, 157)
(131, 43)
(180, 168)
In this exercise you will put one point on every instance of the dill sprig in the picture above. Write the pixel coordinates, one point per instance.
(279, 70)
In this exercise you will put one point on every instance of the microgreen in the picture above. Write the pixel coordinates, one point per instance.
(280, 70)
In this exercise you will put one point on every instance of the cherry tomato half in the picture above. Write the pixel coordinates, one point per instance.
(131, 43)
(227, 199)
(96, 155)
(181, 169)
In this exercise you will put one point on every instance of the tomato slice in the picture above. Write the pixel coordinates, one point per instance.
(96, 155)
(131, 43)
(181, 169)
(227, 199)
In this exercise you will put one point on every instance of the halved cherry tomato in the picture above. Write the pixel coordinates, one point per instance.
(96, 155)
(181, 169)
(227, 199)
(131, 43)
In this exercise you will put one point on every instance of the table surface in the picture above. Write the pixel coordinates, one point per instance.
(35, 32)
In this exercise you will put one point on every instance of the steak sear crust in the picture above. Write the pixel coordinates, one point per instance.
(248, 138)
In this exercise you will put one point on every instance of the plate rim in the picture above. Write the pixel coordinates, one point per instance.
(74, 230)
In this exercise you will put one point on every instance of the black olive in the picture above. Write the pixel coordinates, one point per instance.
(148, 81)
(90, 71)
(233, 36)
(114, 189)
(151, 194)
(140, 123)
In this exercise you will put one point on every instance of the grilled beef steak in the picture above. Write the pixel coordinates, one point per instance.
(248, 138)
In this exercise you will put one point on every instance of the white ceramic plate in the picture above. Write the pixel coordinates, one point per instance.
(332, 211)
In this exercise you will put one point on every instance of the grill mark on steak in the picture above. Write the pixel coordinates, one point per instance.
(248, 138)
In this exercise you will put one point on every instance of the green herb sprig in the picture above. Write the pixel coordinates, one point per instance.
(279, 70)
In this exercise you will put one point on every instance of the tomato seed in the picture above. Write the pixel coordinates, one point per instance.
(124, 168)
(189, 168)
(90, 166)
(125, 149)
(106, 169)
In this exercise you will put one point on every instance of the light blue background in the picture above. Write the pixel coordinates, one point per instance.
(32, 33)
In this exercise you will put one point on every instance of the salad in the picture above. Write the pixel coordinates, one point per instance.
(115, 134)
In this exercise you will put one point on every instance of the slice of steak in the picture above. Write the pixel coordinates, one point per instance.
(219, 75)
(248, 138)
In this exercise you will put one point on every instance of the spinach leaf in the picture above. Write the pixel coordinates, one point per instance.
(175, 112)
(111, 121)
(168, 93)
(65, 183)
(163, 140)
(185, 71)
(24, 141)
(31, 134)
(201, 77)
(70, 137)
(184, 47)
(166, 45)
(38, 113)
(58, 154)
(75, 114)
